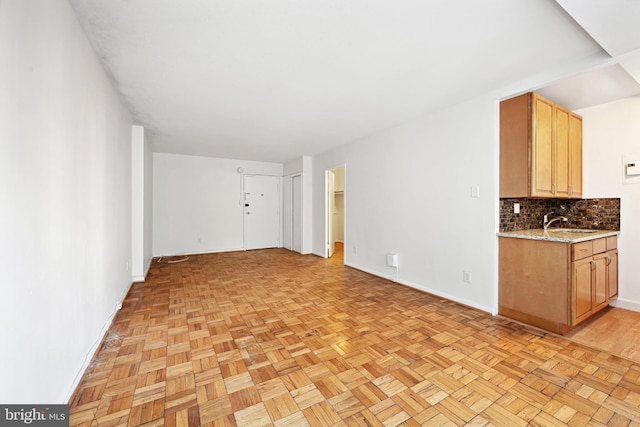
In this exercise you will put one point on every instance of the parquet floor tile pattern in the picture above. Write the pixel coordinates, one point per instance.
(270, 337)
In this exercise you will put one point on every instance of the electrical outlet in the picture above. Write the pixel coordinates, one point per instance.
(466, 276)
(516, 208)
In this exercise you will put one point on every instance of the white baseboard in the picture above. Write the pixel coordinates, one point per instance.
(96, 345)
(425, 289)
(147, 267)
(447, 296)
(146, 271)
(372, 272)
(626, 304)
(197, 253)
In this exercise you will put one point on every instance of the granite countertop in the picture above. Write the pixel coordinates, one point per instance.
(559, 235)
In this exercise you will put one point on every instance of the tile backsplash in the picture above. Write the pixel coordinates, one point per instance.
(596, 214)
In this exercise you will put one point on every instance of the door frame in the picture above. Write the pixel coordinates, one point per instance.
(328, 235)
(330, 184)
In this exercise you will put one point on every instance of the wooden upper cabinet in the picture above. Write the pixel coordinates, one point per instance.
(562, 187)
(540, 149)
(575, 155)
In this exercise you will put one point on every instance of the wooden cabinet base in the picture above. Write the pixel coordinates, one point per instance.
(538, 322)
(556, 285)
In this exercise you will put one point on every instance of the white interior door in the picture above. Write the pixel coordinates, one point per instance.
(261, 212)
(296, 196)
(330, 187)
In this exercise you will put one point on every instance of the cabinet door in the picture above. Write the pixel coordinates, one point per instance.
(562, 146)
(582, 298)
(612, 274)
(600, 279)
(575, 156)
(542, 148)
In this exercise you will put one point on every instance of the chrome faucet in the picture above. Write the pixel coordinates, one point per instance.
(546, 222)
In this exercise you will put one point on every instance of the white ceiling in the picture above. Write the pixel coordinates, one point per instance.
(615, 26)
(271, 80)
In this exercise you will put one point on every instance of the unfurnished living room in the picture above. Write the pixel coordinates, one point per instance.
(319, 213)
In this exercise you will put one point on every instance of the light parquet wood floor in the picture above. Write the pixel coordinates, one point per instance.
(615, 330)
(271, 337)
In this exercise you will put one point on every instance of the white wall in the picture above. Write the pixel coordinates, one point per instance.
(142, 197)
(609, 132)
(65, 201)
(301, 166)
(408, 191)
(339, 173)
(197, 202)
(293, 167)
(338, 218)
(147, 249)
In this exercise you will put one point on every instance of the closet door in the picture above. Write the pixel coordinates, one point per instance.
(296, 197)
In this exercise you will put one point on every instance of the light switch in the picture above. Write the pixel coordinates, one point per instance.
(475, 191)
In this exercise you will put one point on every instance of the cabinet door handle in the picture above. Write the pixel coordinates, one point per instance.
(609, 259)
(593, 265)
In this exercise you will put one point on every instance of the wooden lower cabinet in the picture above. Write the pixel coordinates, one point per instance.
(582, 298)
(612, 274)
(556, 285)
(590, 279)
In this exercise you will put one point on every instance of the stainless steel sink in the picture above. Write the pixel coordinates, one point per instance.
(572, 230)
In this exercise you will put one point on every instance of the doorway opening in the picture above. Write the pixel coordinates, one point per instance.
(335, 213)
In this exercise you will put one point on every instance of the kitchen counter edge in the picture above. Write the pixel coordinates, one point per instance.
(558, 236)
